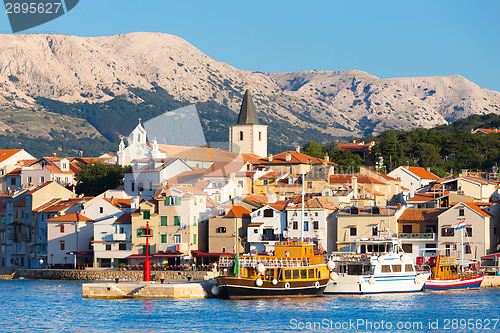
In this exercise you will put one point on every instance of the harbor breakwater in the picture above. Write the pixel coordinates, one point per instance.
(109, 275)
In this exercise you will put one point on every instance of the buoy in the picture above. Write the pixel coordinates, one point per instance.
(331, 264)
(260, 268)
(371, 280)
(362, 256)
(287, 285)
(334, 276)
(259, 282)
(215, 290)
(419, 279)
(274, 282)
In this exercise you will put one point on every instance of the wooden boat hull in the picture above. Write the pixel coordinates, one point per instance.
(450, 284)
(238, 288)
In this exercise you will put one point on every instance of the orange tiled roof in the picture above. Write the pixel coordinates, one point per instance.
(73, 217)
(355, 146)
(124, 219)
(347, 179)
(295, 158)
(474, 206)
(422, 173)
(238, 211)
(255, 224)
(14, 172)
(319, 202)
(420, 215)
(278, 205)
(423, 197)
(488, 131)
(7, 153)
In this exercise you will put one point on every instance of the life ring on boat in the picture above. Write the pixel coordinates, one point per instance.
(287, 285)
(344, 257)
(316, 284)
(362, 256)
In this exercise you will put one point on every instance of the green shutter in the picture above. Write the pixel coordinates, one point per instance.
(177, 220)
(3, 220)
(164, 238)
(164, 221)
(146, 215)
(194, 239)
(194, 221)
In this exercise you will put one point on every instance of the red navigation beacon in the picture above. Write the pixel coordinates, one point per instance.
(147, 263)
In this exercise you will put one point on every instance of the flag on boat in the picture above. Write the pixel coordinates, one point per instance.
(236, 264)
(459, 225)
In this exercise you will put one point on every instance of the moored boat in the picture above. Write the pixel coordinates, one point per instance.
(449, 273)
(294, 270)
(378, 265)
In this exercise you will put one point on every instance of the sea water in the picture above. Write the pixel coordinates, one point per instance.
(37, 305)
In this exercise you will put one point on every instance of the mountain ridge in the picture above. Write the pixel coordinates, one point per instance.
(322, 104)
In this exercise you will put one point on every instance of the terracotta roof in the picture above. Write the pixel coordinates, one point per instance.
(355, 147)
(211, 203)
(318, 202)
(186, 177)
(251, 158)
(343, 178)
(202, 184)
(419, 197)
(197, 153)
(255, 224)
(223, 169)
(60, 205)
(14, 172)
(488, 131)
(278, 205)
(7, 153)
(272, 175)
(73, 217)
(421, 173)
(256, 199)
(20, 203)
(295, 158)
(39, 187)
(238, 211)
(474, 206)
(124, 219)
(420, 215)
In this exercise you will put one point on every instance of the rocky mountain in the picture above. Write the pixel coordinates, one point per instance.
(80, 81)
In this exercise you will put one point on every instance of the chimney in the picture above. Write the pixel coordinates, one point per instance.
(297, 149)
(399, 206)
(288, 157)
(354, 185)
(270, 157)
(327, 158)
(54, 155)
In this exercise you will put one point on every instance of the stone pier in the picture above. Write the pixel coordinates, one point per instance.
(148, 290)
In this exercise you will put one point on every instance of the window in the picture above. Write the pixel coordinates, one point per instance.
(240, 183)
(241, 135)
(268, 213)
(150, 186)
(309, 185)
(140, 187)
(61, 245)
(288, 274)
(13, 181)
(316, 225)
(146, 214)
(305, 214)
(42, 179)
(468, 231)
(375, 231)
(194, 221)
(255, 231)
(407, 228)
(409, 268)
(461, 212)
(194, 238)
(61, 228)
(108, 247)
(316, 214)
(164, 238)
(122, 247)
(164, 221)
(396, 268)
(306, 225)
(172, 201)
(27, 216)
(353, 231)
(29, 179)
(101, 210)
(468, 249)
(265, 182)
(295, 225)
(177, 221)
(132, 186)
(177, 239)
(66, 180)
(408, 248)
(447, 232)
(386, 269)
(220, 230)
(260, 136)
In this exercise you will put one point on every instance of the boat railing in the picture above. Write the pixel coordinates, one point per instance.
(267, 262)
(344, 256)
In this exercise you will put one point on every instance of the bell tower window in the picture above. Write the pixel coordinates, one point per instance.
(241, 135)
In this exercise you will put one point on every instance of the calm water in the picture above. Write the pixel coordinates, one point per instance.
(34, 305)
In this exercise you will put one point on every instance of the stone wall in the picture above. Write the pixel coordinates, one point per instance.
(107, 275)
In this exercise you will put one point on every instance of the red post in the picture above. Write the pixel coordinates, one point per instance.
(147, 263)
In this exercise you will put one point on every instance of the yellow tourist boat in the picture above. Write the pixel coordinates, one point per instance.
(294, 270)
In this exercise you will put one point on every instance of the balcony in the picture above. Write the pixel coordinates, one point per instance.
(417, 235)
(119, 237)
(164, 247)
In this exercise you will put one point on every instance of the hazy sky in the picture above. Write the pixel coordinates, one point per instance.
(384, 38)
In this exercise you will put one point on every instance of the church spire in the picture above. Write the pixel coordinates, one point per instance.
(248, 112)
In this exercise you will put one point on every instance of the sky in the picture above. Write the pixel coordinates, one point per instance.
(383, 38)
